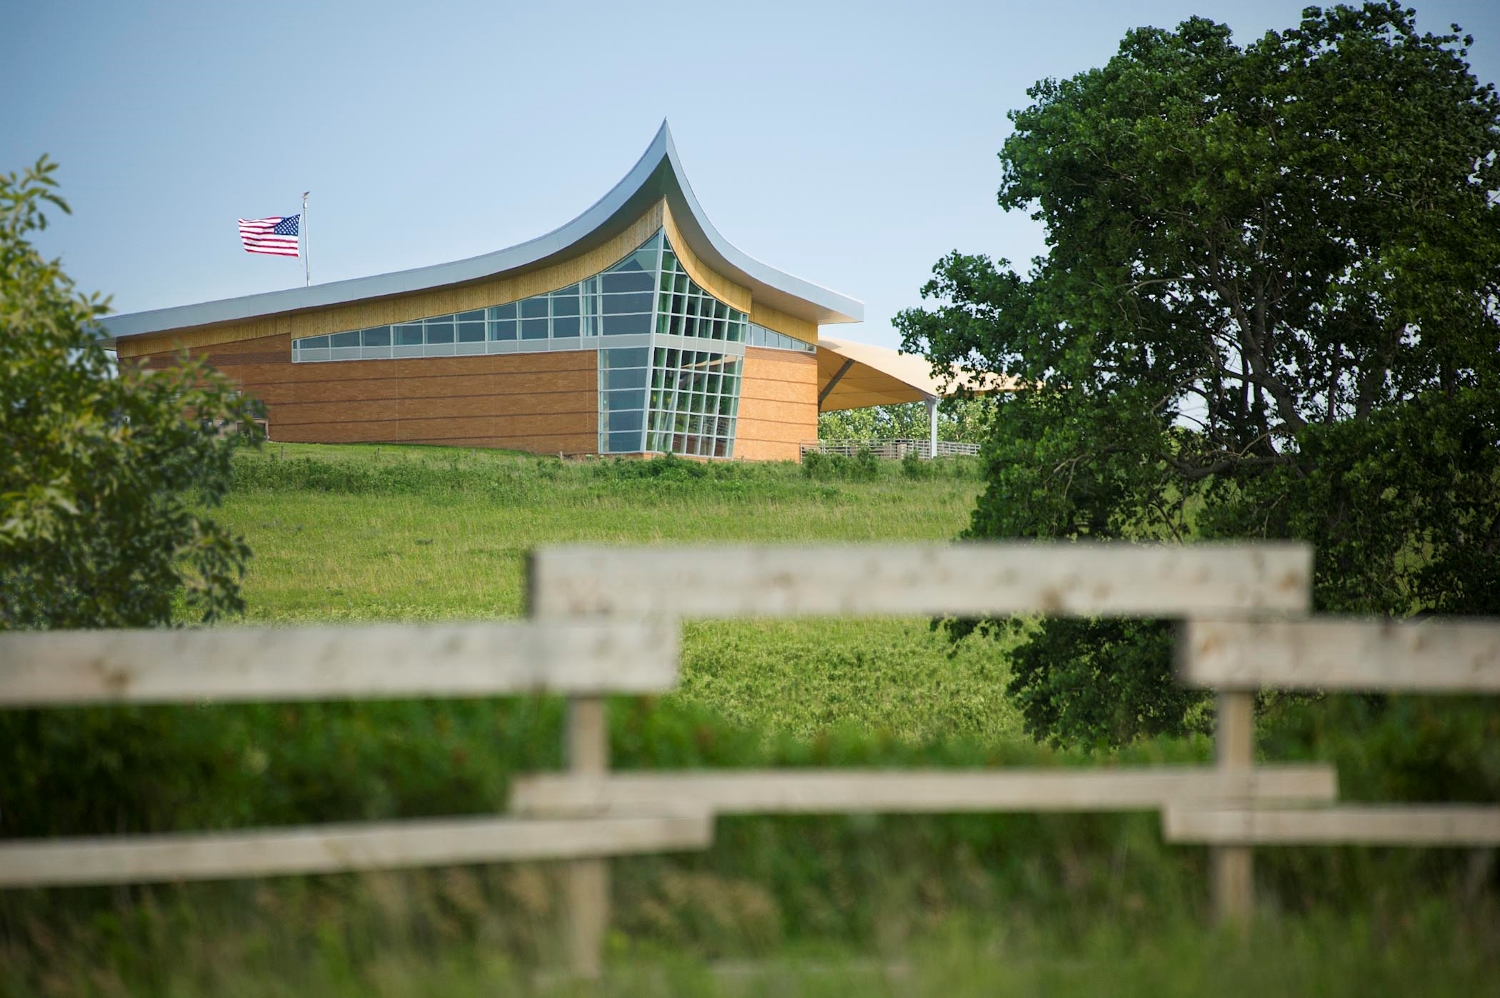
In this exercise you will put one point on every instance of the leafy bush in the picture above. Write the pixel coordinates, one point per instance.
(107, 473)
(862, 467)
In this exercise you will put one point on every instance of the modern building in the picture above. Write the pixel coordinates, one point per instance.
(636, 328)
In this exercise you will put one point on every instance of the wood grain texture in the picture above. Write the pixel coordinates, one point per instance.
(909, 791)
(706, 277)
(775, 431)
(39, 668)
(1428, 655)
(794, 413)
(967, 579)
(802, 329)
(336, 848)
(587, 754)
(1234, 754)
(778, 405)
(1393, 825)
(751, 449)
(544, 403)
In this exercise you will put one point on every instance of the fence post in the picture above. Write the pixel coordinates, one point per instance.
(588, 879)
(1234, 742)
(932, 426)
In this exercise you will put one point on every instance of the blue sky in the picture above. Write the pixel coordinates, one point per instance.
(851, 145)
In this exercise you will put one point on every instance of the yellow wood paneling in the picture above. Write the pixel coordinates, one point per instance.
(402, 308)
(714, 283)
(776, 432)
(766, 450)
(778, 405)
(542, 402)
(781, 412)
(765, 315)
(454, 407)
(545, 403)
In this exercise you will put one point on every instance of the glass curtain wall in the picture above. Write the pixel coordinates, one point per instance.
(671, 355)
(681, 393)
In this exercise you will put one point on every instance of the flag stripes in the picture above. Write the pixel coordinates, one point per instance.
(276, 236)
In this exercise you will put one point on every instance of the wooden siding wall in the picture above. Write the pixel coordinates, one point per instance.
(778, 405)
(545, 403)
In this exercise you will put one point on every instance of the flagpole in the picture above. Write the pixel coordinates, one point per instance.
(306, 258)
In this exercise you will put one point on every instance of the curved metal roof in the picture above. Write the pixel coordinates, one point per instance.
(658, 174)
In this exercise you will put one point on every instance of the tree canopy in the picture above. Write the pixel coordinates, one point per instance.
(108, 473)
(1268, 308)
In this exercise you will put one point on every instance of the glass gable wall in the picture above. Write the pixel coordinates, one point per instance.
(670, 354)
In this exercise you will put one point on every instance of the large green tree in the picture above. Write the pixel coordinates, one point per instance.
(1268, 308)
(108, 473)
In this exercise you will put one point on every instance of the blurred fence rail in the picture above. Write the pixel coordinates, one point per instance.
(606, 621)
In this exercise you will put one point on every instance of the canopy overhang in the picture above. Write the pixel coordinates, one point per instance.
(859, 375)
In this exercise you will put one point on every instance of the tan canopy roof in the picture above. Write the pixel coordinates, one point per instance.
(858, 375)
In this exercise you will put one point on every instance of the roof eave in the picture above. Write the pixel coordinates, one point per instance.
(657, 174)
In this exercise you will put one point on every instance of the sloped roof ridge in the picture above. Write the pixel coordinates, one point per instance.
(657, 174)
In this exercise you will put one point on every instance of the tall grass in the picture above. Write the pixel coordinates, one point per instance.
(970, 904)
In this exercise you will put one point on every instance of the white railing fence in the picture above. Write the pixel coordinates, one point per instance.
(891, 449)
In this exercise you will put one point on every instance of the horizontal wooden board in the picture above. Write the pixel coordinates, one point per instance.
(561, 412)
(918, 791)
(966, 579)
(39, 668)
(776, 432)
(564, 361)
(1431, 655)
(764, 315)
(750, 449)
(540, 431)
(337, 848)
(1393, 825)
(778, 412)
(571, 446)
(452, 386)
(539, 444)
(780, 365)
(765, 390)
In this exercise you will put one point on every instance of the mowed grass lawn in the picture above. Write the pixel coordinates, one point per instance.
(364, 533)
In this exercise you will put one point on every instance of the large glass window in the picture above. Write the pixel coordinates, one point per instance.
(670, 353)
(694, 402)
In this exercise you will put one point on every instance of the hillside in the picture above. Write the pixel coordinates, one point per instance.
(422, 533)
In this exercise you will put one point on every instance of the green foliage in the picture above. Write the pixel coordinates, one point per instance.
(408, 533)
(104, 482)
(458, 935)
(960, 419)
(864, 466)
(1267, 311)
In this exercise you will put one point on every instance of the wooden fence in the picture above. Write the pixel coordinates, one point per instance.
(606, 621)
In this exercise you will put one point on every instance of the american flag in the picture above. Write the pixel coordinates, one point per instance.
(276, 235)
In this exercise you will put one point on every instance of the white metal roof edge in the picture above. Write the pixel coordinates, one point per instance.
(913, 370)
(645, 183)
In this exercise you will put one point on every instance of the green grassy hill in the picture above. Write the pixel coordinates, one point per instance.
(423, 533)
(1054, 904)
